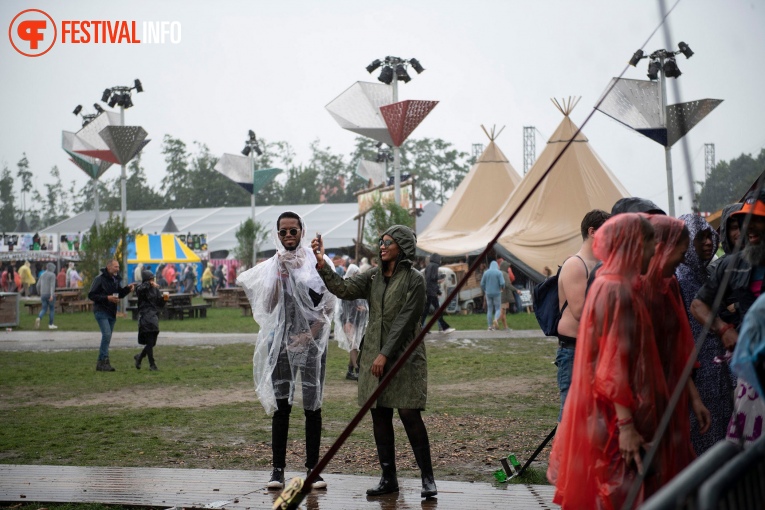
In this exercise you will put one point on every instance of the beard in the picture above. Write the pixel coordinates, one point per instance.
(755, 254)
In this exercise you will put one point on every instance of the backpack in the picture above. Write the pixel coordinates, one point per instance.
(545, 297)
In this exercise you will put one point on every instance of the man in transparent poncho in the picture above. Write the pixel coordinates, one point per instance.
(291, 305)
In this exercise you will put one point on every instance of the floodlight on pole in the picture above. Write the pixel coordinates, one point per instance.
(393, 70)
(663, 65)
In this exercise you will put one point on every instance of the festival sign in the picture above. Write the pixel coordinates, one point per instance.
(197, 243)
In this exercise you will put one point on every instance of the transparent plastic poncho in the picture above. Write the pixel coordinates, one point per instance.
(351, 317)
(294, 310)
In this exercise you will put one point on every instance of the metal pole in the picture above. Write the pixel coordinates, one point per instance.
(667, 149)
(123, 190)
(252, 203)
(96, 207)
(396, 153)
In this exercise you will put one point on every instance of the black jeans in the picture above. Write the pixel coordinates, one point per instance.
(148, 350)
(433, 300)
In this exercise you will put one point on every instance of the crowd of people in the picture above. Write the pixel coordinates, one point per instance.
(635, 301)
(635, 305)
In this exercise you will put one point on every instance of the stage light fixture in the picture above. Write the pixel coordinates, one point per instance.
(670, 68)
(127, 101)
(113, 101)
(257, 150)
(98, 108)
(77, 109)
(251, 134)
(246, 150)
(653, 69)
(386, 75)
(685, 49)
(105, 95)
(401, 73)
(416, 65)
(138, 87)
(636, 58)
(374, 65)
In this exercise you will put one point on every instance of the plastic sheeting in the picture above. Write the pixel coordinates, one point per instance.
(294, 310)
(351, 317)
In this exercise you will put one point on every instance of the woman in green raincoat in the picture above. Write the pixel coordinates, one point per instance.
(396, 295)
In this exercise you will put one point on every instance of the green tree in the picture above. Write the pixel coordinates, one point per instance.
(99, 247)
(381, 217)
(7, 201)
(140, 196)
(729, 180)
(108, 196)
(300, 187)
(438, 166)
(246, 234)
(175, 184)
(24, 175)
(332, 173)
(56, 203)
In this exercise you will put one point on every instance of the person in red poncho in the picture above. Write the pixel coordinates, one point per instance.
(618, 392)
(674, 342)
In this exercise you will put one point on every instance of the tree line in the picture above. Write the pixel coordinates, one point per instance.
(190, 180)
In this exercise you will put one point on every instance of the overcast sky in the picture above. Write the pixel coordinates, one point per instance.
(272, 66)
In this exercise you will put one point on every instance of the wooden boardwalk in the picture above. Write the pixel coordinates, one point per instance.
(244, 490)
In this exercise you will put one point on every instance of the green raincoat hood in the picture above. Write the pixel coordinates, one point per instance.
(405, 238)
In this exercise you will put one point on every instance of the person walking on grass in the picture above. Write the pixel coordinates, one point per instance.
(492, 285)
(294, 310)
(432, 291)
(47, 289)
(150, 300)
(105, 292)
(395, 292)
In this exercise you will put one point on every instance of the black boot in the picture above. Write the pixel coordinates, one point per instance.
(388, 481)
(137, 359)
(422, 456)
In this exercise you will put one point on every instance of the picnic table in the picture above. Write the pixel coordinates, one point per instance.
(230, 297)
(178, 307)
(66, 299)
(211, 300)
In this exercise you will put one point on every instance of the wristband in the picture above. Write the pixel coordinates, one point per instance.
(624, 422)
(724, 329)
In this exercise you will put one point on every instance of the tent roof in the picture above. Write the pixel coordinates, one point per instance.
(156, 248)
(477, 199)
(547, 229)
(334, 221)
(170, 226)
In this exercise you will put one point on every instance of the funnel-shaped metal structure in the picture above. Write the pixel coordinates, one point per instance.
(637, 105)
(403, 117)
(372, 170)
(89, 142)
(124, 142)
(239, 170)
(95, 168)
(357, 109)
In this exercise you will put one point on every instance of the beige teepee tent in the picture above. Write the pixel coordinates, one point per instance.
(547, 229)
(477, 199)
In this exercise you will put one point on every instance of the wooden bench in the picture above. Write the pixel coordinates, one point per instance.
(83, 305)
(246, 307)
(188, 311)
(34, 307)
(211, 300)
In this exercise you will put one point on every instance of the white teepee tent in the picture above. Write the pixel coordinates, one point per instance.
(477, 199)
(547, 229)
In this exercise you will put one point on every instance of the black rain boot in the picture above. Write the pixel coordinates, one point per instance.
(388, 481)
(422, 455)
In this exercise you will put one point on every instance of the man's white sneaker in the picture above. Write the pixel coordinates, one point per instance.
(52, 326)
(449, 330)
(37, 323)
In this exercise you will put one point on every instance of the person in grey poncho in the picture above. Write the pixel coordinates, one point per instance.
(291, 305)
(395, 292)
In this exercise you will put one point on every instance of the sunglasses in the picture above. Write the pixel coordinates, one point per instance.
(386, 242)
(293, 232)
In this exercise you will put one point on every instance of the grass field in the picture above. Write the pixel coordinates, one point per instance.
(487, 399)
(231, 320)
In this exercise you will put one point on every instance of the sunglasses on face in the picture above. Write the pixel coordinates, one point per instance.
(293, 232)
(386, 242)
